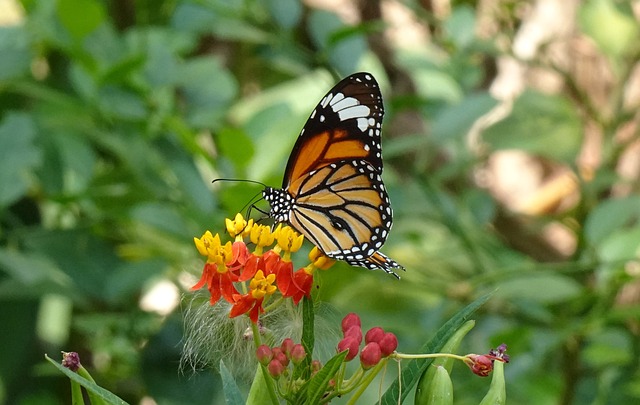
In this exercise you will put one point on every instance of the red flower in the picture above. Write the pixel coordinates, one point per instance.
(251, 302)
(301, 286)
(219, 284)
(215, 275)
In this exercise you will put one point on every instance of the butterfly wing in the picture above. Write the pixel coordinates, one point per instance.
(332, 191)
(344, 209)
(345, 125)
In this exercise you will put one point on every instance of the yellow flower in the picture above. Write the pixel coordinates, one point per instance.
(319, 259)
(238, 227)
(288, 239)
(261, 236)
(261, 285)
(210, 246)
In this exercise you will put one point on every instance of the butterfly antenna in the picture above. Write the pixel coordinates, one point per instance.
(239, 181)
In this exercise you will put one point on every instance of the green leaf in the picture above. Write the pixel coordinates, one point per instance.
(80, 17)
(461, 25)
(611, 215)
(20, 155)
(286, 13)
(317, 386)
(16, 53)
(232, 395)
(545, 288)
(235, 145)
(611, 25)
(209, 89)
(344, 52)
(537, 121)
(100, 392)
(259, 389)
(454, 121)
(413, 370)
(308, 335)
(622, 245)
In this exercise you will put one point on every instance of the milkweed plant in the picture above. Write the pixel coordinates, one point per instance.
(261, 316)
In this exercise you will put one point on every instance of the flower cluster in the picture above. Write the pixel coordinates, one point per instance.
(247, 279)
(277, 359)
(378, 343)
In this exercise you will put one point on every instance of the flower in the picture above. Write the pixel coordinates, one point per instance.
(71, 360)
(238, 227)
(251, 303)
(482, 364)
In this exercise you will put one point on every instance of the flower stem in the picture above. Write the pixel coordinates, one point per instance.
(265, 373)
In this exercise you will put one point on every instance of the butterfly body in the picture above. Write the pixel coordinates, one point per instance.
(332, 191)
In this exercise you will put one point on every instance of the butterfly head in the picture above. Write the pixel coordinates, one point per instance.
(280, 201)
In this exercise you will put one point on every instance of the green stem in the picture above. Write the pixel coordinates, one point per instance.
(364, 382)
(265, 373)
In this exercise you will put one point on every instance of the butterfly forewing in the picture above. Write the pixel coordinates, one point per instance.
(345, 125)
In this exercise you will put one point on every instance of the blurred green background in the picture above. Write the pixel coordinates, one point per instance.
(511, 145)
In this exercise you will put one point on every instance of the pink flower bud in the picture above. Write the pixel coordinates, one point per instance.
(388, 344)
(350, 320)
(315, 366)
(351, 344)
(354, 332)
(275, 368)
(279, 355)
(298, 354)
(264, 354)
(286, 346)
(374, 335)
(370, 355)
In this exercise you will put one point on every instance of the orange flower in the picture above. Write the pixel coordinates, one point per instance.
(251, 303)
(215, 275)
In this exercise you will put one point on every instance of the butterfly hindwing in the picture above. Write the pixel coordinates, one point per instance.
(346, 197)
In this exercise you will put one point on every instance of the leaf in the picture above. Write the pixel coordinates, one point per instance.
(536, 121)
(100, 392)
(209, 89)
(232, 395)
(317, 386)
(308, 335)
(80, 17)
(611, 215)
(542, 288)
(614, 28)
(20, 156)
(623, 245)
(15, 51)
(455, 121)
(259, 390)
(286, 13)
(413, 370)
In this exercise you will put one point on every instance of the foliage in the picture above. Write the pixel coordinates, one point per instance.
(115, 116)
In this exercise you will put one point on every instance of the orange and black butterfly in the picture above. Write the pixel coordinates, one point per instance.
(332, 191)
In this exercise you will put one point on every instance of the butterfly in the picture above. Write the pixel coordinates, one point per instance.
(332, 191)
